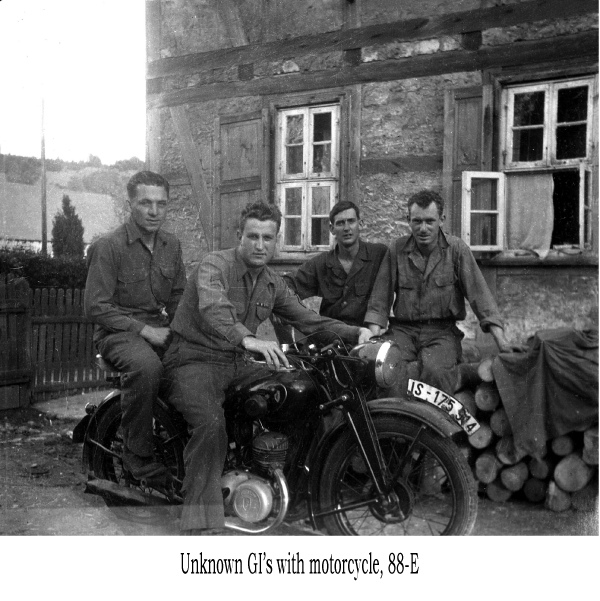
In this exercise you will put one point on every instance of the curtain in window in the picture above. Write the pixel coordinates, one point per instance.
(530, 212)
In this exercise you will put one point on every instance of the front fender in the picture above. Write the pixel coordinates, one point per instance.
(416, 410)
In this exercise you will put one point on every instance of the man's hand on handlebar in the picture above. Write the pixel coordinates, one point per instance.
(364, 334)
(156, 336)
(270, 350)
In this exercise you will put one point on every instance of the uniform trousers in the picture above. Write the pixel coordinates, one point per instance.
(141, 368)
(197, 390)
(430, 352)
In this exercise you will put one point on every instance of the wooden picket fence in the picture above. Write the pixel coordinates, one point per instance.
(46, 344)
(62, 349)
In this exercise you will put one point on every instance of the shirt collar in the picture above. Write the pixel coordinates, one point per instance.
(242, 269)
(134, 233)
(363, 254)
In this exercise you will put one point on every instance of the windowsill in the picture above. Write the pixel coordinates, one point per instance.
(528, 259)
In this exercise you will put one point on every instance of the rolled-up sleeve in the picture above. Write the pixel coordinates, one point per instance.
(100, 287)
(216, 311)
(476, 291)
(378, 309)
(288, 306)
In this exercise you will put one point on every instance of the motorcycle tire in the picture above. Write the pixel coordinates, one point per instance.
(168, 448)
(435, 492)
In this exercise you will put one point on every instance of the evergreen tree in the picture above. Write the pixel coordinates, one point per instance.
(67, 231)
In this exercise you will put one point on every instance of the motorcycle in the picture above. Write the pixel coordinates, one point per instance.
(313, 442)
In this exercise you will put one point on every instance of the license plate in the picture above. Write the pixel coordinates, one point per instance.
(455, 409)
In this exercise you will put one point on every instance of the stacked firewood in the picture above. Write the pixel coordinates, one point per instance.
(567, 476)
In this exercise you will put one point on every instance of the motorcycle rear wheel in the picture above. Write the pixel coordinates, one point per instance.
(435, 493)
(168, 448)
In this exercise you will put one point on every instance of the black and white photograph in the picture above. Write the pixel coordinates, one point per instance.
(296, 270)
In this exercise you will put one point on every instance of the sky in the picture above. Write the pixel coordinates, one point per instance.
(86, 58)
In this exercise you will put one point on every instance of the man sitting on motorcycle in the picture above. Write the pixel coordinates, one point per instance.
(226, 298)
(425, 278)
(135, 279)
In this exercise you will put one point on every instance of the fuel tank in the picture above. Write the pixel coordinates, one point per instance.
(280, 395)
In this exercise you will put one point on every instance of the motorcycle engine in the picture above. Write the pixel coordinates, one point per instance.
(250, 496)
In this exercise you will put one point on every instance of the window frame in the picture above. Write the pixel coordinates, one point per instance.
(307, 179)
(507, 82)
(467, 177)
(551, 88)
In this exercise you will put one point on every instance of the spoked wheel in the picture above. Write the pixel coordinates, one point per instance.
(434, 493)
(109, 465)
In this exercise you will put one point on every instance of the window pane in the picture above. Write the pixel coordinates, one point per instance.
(565, 199)
(570, 141)
(483, 230)
(572, 104)
(528, 144)
(529, 108)
(294, 159)
(320, 200)
(293, 201)
(320, 231)
(484, 194)
(322, 125)
(322, 158)
(295, 129)
(293, 230)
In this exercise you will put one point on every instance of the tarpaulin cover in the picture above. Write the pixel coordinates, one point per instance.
(551, 389)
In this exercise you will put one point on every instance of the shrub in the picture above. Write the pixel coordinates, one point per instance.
(67, 231)
(42, 271)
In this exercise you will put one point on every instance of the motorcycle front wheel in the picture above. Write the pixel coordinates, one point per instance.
(434, 494)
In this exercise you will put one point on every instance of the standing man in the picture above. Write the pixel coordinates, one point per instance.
(226, 298)
(135, 280)
(431, 273)
(345, 275)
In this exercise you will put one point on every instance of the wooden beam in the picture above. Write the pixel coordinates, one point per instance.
(399, 31)
(580, 45)
(193, 165)
(230, 17)
(153, 16)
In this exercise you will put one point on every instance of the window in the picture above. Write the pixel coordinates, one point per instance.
(307, 174)
(540, 200)
(483, 210)
(547, 124)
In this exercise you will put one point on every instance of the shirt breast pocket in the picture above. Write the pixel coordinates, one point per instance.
(263, 310)
(444, 290)
(406, 299)
(164, 282)
(362, 288)
(132, 288)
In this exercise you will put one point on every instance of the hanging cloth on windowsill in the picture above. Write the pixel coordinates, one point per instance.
(530, 212)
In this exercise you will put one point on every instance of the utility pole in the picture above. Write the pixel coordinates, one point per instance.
(44, 223)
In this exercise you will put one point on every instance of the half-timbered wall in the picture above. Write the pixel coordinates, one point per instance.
(419, 85)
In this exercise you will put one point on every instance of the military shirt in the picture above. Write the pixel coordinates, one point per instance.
(430, 289)
(345, 296)
(220, 306)
(128, 286)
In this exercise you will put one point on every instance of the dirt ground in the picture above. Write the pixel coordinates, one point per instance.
(42, 492)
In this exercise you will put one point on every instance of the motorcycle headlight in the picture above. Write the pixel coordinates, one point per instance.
(382, 359)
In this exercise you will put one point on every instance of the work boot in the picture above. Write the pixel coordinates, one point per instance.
(142, 468)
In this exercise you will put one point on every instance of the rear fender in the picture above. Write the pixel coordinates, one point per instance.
(88, 426)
